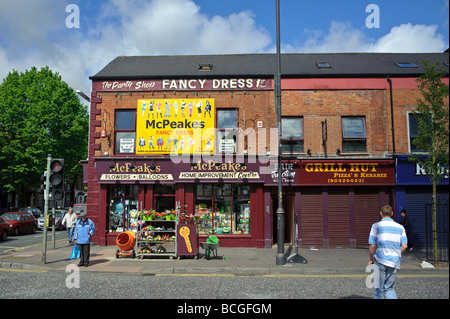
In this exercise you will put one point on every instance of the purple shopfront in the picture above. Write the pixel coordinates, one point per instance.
(227, 196)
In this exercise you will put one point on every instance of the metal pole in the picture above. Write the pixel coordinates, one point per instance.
(281, 258)
(47, 189)
(53, 224)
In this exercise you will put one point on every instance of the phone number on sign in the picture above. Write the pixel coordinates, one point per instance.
(345, 180)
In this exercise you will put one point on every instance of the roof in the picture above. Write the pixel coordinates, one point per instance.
(264, 65)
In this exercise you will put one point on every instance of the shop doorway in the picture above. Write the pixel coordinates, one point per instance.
(289, 213)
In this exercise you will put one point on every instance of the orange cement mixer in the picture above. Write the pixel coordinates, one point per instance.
(126, 242)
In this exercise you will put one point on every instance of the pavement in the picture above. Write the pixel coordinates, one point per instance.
(229, 261)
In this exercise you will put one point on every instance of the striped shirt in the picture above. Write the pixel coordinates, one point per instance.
(388, 236)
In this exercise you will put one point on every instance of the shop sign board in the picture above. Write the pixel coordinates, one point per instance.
(333, 173)
(110, 171)
(234, 84)
(347, 172)
(212, 172)
(410, 173)
(130, 172)
(174, 126)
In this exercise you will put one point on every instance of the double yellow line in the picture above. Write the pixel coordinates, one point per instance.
(25, 247)
(302, 275)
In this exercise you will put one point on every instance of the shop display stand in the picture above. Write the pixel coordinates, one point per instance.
(156, 238)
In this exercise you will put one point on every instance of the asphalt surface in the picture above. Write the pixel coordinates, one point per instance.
(245, 261)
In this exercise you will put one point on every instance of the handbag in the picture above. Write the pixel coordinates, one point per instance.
(75, 252)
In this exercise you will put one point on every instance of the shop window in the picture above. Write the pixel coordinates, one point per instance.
(227, 131)
(125, 129)
(164, 197)
(353, 134)
(123, 208)
(223, 208)
(292, 135)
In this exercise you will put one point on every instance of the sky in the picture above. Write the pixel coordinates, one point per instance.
(78, 41)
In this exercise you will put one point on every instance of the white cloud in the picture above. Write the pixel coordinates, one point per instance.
(33, 33)
(36, 35)
(411, 38)
(342, 37)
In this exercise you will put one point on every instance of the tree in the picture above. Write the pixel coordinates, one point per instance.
(433, 135)
(39, 115)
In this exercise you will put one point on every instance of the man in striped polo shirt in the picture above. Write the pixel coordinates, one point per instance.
(387, 243)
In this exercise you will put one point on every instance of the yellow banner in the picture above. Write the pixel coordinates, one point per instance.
(175, 126)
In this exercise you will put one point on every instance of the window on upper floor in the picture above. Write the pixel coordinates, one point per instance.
(125, 130)
(292, 135)
(413, 132)
(227, 131)
(354, 137)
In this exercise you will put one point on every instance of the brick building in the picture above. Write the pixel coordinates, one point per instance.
(201, 131)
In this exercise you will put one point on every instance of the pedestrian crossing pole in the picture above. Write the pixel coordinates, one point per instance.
(46, 197)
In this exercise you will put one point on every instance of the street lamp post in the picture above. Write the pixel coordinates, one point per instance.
(83, 95)
(281, 258)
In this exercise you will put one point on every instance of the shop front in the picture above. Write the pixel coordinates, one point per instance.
(333, 203)
(225, 197)
(413, 189)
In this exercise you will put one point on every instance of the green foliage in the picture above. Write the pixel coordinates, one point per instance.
(39, 115)
(433, 120)
(433, 137)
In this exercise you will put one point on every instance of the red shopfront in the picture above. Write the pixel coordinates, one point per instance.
(227, 196)
(335, 201)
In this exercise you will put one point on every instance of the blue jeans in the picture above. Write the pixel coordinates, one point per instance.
(70, 233)
(387, 276)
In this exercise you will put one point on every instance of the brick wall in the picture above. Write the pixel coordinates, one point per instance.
(314, 105)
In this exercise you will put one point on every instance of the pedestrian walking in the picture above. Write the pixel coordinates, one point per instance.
(406, 223)
(84, 229)
(387, 242)
(69, 221)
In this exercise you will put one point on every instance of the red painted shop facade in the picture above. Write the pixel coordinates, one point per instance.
(334, 201)
(167, 130)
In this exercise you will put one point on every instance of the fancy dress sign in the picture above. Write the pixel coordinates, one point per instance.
(235, 84)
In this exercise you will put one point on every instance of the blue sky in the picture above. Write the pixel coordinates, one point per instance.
(34, 32)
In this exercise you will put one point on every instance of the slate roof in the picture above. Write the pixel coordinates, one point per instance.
(264, 65)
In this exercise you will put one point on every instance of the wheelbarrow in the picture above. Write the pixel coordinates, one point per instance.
(210, 247)
(126, 241)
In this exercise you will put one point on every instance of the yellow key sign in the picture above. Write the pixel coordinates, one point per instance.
(184, 232)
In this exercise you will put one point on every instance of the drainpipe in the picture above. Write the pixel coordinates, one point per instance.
(392, 115)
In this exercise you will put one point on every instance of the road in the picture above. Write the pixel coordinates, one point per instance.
(30, 284)
(17, 243)
(59, 284)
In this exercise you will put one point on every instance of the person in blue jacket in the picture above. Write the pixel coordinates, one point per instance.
(84, 229)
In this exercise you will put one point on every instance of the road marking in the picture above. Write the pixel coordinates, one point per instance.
(301, 275)
(23, 270)
(195, 275)
(25, 247)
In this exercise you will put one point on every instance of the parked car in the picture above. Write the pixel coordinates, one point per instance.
(21, 222)
(4, 228)
(33, 210)
(77, 208)
(59, 215)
